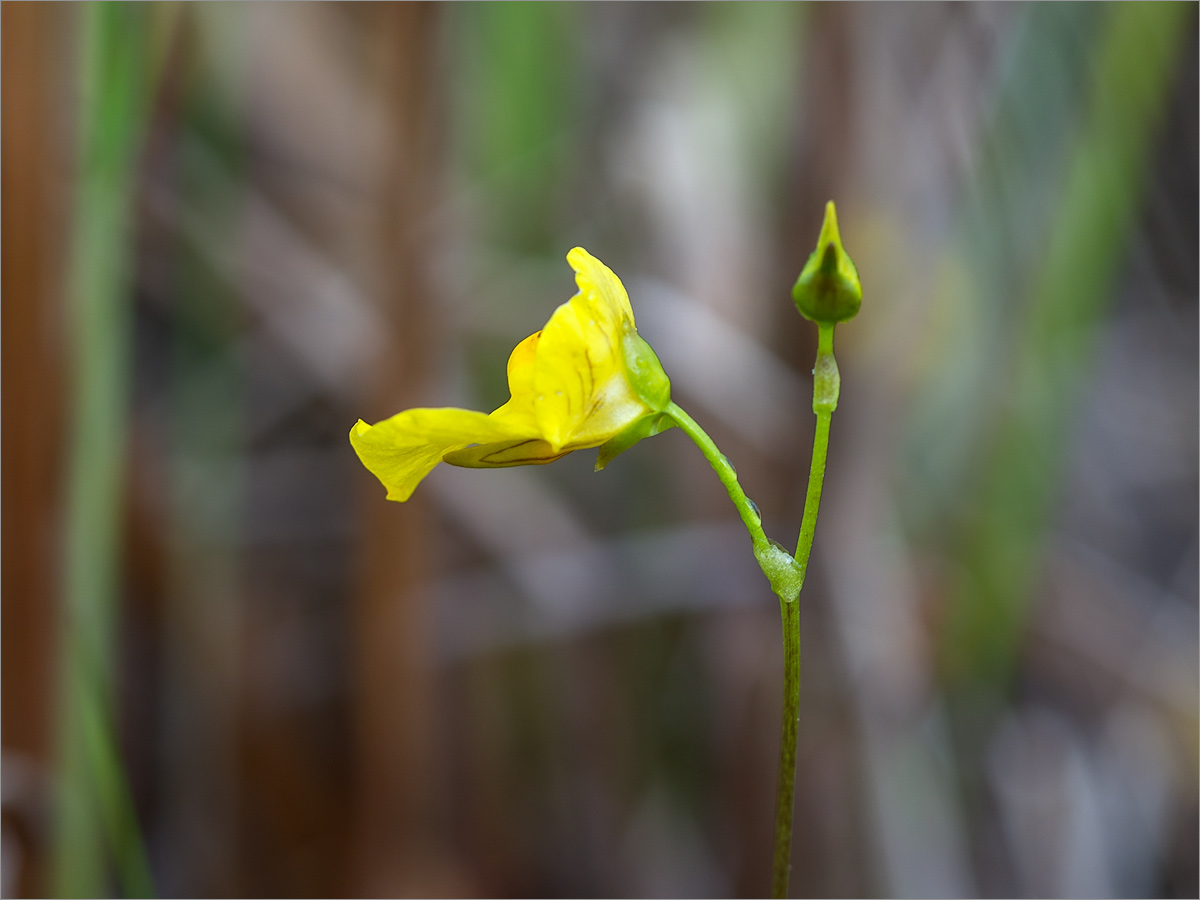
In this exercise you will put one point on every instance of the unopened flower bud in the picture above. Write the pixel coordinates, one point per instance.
(828, 290)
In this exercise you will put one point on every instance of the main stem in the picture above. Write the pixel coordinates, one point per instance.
(826, 387)
(785, 792)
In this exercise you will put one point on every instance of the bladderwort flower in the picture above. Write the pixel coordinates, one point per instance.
(587, 379)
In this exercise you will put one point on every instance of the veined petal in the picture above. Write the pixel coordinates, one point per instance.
(582, 396)
(402, 450)
(502, 454)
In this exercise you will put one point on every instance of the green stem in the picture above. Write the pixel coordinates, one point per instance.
(776, 562)
(746, 507)
(826, 386)
(785, 786)
(786, 574)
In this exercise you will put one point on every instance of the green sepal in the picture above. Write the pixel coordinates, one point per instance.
(645, 372)
(828, 290)
(648, 426)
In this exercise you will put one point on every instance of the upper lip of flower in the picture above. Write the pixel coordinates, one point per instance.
(571, 387)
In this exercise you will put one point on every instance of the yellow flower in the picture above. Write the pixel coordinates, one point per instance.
(585, 380)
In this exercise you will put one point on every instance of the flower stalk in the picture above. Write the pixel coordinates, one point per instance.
(587, 379)
(826, 386)
(828, 291)
(776, 562)
(786, 572)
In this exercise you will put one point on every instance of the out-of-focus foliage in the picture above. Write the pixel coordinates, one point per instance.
(222, 646)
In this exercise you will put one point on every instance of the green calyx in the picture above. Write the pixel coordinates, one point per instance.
(645, 427)
(653, 387)
(828, 290)
(645, 372)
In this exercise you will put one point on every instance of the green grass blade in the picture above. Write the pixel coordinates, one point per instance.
(94, 803)
(1133, 73)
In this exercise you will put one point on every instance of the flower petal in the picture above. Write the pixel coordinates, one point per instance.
(502, 454)
(518, 411)
(600, 287)
(581, 394)
(402, 450)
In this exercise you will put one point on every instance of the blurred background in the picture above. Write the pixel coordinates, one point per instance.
(230, 668)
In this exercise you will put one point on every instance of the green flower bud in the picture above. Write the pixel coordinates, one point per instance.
(828, 290)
